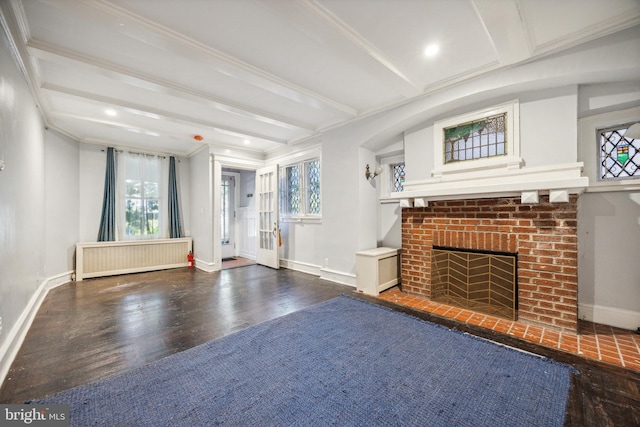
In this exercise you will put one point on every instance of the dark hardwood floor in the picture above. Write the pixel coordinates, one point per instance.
(93, 329)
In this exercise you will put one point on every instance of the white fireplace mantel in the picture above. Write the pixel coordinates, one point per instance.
(492, 182)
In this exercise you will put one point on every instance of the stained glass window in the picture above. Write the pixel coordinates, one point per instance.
(397, 178)
(476, 139)
(300, 189)
(619, 155)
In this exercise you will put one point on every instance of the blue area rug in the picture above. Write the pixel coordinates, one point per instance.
(344, 362)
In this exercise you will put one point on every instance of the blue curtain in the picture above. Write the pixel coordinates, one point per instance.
(107, 231)
(175, 227)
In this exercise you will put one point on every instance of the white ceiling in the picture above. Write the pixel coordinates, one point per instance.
(257, 75)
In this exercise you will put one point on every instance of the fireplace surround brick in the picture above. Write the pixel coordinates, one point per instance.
(544, 236)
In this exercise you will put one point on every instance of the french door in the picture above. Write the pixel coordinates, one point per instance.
(267, 211)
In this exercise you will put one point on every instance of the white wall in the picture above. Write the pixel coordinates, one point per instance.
(38, 207)
(548, 134)
(91, 173)
(548, 131)
(247, 187)
(201, 215)
(608, 216)
(22, 191)
(608, 253)
(62, 198)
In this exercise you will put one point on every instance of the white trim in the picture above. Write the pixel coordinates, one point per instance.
(489, 184)
(324, 273)
(338, 277)
(17, 334)
(512, 158)
(208, 267)
(617, 317)
(300, 160)
(300, 266)
(310, 219)
(298, 156)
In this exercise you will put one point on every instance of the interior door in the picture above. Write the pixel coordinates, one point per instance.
(266, 193)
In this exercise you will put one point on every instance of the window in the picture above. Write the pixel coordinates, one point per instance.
(300, 189)
(397, 177)
(475, 140)
(619, 156)
(140, 196)
(225, 210)
(484, 139)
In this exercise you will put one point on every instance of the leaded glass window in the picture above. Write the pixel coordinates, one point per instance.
(300, 189)
(225, 201)
(397, 178)
(292, 198)
(476, 139)
(619, 155)
(312, 173)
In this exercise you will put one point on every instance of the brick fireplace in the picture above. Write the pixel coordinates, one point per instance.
(543, 235)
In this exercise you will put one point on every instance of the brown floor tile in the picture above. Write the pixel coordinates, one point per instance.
(600, 342)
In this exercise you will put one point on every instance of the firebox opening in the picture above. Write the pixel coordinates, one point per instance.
(483, 281)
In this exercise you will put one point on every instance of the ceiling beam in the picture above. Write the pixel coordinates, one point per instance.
(62, 56)
(245, 72)
(161, 114)
(352, 36)
(504, 25)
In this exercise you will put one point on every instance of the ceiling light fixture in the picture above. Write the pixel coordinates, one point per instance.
(247, 142)
(110, 112)
(432, 50)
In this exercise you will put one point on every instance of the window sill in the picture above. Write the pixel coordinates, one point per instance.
(614, 185)
(302, 219)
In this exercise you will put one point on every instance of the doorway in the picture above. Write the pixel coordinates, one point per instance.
(228, 212)
(237, 218)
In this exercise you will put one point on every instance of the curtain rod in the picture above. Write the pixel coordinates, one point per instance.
(139, 153)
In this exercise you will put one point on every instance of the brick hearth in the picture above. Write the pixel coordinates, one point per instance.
(544, 235)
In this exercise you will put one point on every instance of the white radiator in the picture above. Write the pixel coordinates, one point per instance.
(96, 259)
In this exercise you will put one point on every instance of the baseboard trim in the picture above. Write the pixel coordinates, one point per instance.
(11, 346)
(338, 277)
(208, 267)
(620, 318)
(248, 255)
(303, 267)
(323, 273)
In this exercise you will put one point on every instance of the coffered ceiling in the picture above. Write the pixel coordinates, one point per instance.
(257, 75)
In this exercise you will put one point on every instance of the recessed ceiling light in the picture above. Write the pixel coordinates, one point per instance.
(110, 112)
(247, 142)
(432, 50)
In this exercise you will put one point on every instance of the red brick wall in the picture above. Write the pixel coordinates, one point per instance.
(544, 236)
